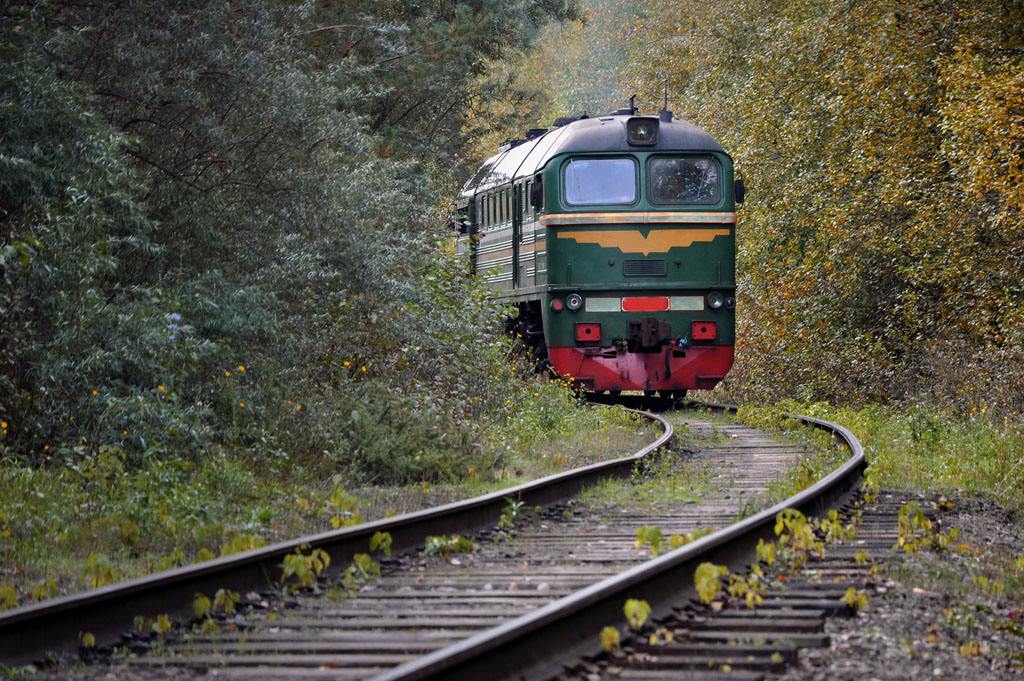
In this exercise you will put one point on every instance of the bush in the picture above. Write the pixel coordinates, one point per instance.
(228, 234)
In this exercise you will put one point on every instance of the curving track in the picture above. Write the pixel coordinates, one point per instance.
(516, 608)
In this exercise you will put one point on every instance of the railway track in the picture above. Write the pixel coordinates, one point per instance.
(728, 641)
(522, 606)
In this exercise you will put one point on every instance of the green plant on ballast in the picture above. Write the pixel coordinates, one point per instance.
(381, 541)
(363, 570)
(750, 590)
(708, 581)
(796, 538)
(510, 514)
(223, 602)
(765, 552)
(448, 545)
(610, 639)
(855, 599)
(678, 540)
(650, 537)
(303, 568)
(915, 531)
(834, 529)
(636, 611)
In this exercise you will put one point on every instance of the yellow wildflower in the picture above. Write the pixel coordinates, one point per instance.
(241, 405)
(226, 373)
(94, 392)
(346, 363)
(241, 368)
(363, 369)
(161, 389)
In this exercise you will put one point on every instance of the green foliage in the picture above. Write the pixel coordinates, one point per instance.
(915, 531)
(98, 570)
(225, 272)
(878, 253)
(708, 581)
(510, 514)
(8, 597)
(750, 590)
(188, 264)
(381, 541)
(201, 606)
(651, 537)
(610, 639)
(343, 508)
(662, 479)
(765, 552)
(225, 600)
(880, 223)
(855, 599)
(303, 568)
(161, 625)
(363, 570)
(448, 545)
(834, 529)
(636, 611)
(796, 538)
(916, 447)
(678, 540)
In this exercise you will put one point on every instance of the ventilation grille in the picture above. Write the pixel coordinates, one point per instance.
(643, 268)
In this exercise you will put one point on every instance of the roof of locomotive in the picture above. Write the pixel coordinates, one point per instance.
(604, 133)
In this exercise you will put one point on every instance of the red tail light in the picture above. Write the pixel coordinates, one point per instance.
(588, 332)
(703, 331)
(645, 304)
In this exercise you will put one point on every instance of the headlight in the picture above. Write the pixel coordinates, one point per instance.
(715, 300)
(642, 131)
(730, 303)
(574, 301)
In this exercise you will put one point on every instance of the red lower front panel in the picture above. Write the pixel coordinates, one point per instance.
(693, 368)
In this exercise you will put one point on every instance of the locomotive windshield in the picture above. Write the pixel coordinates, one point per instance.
(691, 179)
(600, 181)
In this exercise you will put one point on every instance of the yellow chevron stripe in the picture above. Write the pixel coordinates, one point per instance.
(632, 241)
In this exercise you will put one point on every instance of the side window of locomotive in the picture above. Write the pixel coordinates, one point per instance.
(690, 179)
(592, 181)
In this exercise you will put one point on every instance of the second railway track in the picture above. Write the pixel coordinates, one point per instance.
(422, 604)
(513, 605)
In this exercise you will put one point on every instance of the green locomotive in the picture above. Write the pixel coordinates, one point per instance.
(615, 238)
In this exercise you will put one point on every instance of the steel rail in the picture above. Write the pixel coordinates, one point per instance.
(536, 645)
(54, 627)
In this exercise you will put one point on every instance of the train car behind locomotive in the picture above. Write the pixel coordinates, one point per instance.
(615, 238)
